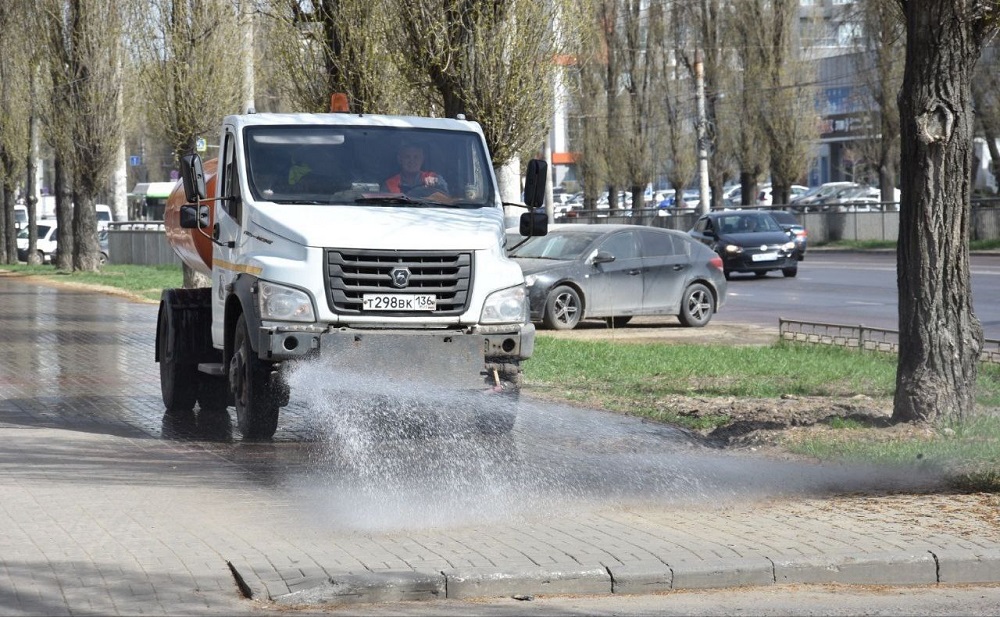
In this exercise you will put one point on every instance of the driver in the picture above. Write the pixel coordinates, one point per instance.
(411, 175)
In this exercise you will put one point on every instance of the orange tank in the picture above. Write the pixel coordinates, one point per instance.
(193, 246)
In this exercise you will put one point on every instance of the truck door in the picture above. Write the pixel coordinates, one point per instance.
(227, 231)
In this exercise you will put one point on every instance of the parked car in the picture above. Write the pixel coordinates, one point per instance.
(814, 198)
(747, 241)
(47, 239)
(765, 198)
(615, 272)
(790, 223)
(102, 241)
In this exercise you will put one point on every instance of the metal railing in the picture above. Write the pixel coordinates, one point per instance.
(860, 337)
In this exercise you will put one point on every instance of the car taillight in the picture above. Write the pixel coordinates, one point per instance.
(715, 262)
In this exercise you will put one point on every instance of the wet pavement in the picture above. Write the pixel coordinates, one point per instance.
(111, 506)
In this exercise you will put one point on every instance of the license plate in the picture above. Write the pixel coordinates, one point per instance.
(399, 302)
(764, 257)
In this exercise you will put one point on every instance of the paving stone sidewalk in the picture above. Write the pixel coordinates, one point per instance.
(102, 511)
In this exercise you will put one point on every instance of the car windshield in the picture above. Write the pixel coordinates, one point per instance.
(557, 245)
(346, 165)
(746, 222)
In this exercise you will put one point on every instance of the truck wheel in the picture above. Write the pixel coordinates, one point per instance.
(178, 381)
(254, 392)
(696, 306)
(562, 309)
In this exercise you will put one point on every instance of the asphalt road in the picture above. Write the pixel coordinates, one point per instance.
(851, 288)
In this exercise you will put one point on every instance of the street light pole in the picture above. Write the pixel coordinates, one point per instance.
(699, 75)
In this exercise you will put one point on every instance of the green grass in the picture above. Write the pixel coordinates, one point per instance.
(143, 281)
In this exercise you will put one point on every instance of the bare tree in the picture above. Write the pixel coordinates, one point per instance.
(15, 71)
(940, 337)
(879, 71)
(331, 46)
(492, 61)
(986, 96)
(87, 42)
(190, 51)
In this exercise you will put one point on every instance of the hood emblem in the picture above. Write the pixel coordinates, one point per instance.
(763, 247)
(400, 277)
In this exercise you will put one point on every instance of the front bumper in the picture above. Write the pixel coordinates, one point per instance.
(745, 263)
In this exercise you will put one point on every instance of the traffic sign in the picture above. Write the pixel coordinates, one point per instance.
(134, 161)
(200, 145)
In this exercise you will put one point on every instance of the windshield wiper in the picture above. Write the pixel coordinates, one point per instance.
(387, 199)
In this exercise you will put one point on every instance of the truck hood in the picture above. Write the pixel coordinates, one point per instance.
(380, 227)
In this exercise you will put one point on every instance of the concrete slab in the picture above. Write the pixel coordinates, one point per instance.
(964, 566)
(902, 568)
(370, 587)
(722, 572)
(468, 583)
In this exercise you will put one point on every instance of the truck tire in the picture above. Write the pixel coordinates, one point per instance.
(178, 380)
(253, 383)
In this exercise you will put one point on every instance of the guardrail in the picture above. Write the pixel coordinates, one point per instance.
(860, 337)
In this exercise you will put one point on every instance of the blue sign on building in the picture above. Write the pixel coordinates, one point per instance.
(134, 160)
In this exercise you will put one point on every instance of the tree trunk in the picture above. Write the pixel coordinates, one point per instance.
(64, 215)
(940, 338)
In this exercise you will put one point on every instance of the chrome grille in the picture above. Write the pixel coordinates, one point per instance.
(351, 274)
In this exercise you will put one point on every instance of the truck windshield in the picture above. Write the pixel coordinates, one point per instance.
(372, 165)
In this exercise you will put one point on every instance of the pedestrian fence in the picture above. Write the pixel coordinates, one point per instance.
(860, 337)
(140, 242)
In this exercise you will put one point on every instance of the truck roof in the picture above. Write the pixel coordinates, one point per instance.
(342, 119)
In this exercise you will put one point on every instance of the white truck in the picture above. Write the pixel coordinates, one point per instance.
(313, 255)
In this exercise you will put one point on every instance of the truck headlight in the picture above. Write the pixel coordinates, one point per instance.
(281, 303)
(506, 306)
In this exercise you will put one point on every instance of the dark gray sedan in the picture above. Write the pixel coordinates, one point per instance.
(748, 242)
(616, 272)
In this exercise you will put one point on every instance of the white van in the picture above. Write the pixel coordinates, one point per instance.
(103, 216)
(20, 217)
(48, 238)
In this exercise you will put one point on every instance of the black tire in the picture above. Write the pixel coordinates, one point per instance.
(254, 390)
(697, 306)
(790, 272)
(618, 322)
(563, 309)
(178, 381)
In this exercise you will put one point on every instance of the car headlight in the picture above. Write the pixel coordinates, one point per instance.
(506, 306)
(788, 246)
(733, 249)
(282, 303)
(530, 279)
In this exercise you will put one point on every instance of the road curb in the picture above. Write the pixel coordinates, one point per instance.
(906, 567)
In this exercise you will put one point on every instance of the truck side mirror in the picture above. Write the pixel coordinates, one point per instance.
(534, 183)
(194, 216)
(193, 175)
(534, 223)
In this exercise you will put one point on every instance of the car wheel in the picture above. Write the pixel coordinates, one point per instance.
(103, 259)
(790, 272)
(696, 306)
(618, 322)
(562, 309)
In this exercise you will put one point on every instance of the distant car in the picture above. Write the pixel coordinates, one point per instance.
(816, 197)
(46, 241)
(102, 241)
(789, 222)
(766, 198)
(616, 272)
(747, 242)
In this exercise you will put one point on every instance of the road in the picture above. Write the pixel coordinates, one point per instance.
(852, 288)
(111, 506)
